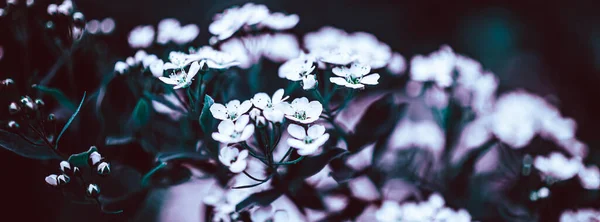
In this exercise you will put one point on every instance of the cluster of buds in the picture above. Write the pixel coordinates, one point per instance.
(68, 171)
(13, 4)
(24, 110)
(65, 13)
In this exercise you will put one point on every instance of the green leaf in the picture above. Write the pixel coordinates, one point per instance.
(141, 113)
(64, 129)
(20, 146)
(58, 95)
(261, 198)
(166, 174)
(206, 118)
(312, 165)
(81, 159)
(377, 122)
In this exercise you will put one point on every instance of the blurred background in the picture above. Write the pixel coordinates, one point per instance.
(548, 48)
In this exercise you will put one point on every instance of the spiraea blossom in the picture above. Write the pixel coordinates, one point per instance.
(557, 166)
(141, 36)
(580, 215)
(436, 67)
(170, 29)
(299, 69)
(423, 134)
(233, 158)
(230, 132)
(431, 210)
(233, 110)
(250, 15)
(181, 78)
(303, 111)
(356, 77)
(590, 177)
(214, 59)
(248, 50)
(397, 64)
(270, 106)
(307, 141)
(264, 214)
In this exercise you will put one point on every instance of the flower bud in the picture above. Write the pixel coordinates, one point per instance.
(254, 113)
(93, 190)
(29, 3)
(65, 167)
(260, 121)
(95, 157)
(63, 179)
(52, 9)
(13, 125)
(76, 171)
(27, 102)
(52, 180)
(11, 2)
(309, 82)
(543, 192)
(6, 83)
(204, 66)
(130, 61)
(40, 103)
(79, 19)
(51, 117)
(103, 168)
(121, 67)
(275, 116)
(13, 108)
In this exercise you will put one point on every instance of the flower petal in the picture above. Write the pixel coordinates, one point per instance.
(316, 131)
(296, 143)
(243, 154)
(221, 137)
(169, 65)
(315, 108)
(321, 140)
(278, 96)
(371, 79)
(194, 68)
(338, 80)
(247, 133)
(219, 111)
(261, 100)
(226, 127)
(168, 80)
(296, 131)
(244, 107)
(309, 149)
(340, 71)
(241, 123)
(238, 166)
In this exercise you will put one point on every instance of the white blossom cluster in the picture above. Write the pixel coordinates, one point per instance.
(558, 167)
(431, 210)
(169, 30)
(247, 17)
(581, 215)
(97, 27)
(248, 50)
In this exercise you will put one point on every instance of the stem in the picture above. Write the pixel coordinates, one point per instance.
(291, 162)
(191, 99)
(248, 186)
(179, 98)
(286, 154)
(254, 178)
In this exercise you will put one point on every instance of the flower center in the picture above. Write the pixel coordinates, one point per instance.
(232, 116)
(308, 140)
(300, 114)
(353, 79)
(235, 134)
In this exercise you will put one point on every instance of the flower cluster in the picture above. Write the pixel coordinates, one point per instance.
(169, 30)
(431, 210)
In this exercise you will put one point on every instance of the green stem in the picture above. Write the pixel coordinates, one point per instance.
(291, 162)
(191, 99)
(254, 178)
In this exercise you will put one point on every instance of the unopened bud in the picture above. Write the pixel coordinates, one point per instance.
(65, 167)
(52, 180)
(13, 108)
(52, 9)
(7, 82)
(11, 2)
(40, 103)
(543, 192)
(93, 190)
(204, 66)
(76, 171)
(29, 3)
(79, 19)
(63, 179)
(103, 168)
(13, 125)
(95, 157)
(130, 61)
(27, 102)
(51, 117)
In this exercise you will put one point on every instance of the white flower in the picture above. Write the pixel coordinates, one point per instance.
(307, 141)
(557, 166)
(336, 56)
(182, 79)
(167, 28)
(590, 177)
(389, 211)
(397, 64)
(93, 190)
(107, 26)
(177, 60)
(231, 111)
(149, 59)
(140, 55)
(52, 180)
(581, 215)
(52, 9)
(296, 69)
(156, 68)
(436, 97)
(436, 67)
(65, 166)
(230, 132)
(245, 53)
(300, 110)
(141, 37)
(233, 158)
(225, 24)
(280, 47)
(264, 214)
(369, 50)
(447, 214)
(186, 34)
(263, 101)
(354, 77)
(280, 21)
(214, 59)
(121, 67)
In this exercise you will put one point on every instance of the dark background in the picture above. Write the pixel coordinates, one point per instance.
(550, 48)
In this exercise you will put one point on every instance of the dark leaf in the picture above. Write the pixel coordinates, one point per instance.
(81, 159)
(18, 145)
(378, 120)
(206, 119)
(163, 101)
(141, 113)
(58, 95)
(459, 179)
(64, 129)
(311, 166)
(307, 196)
(262, 199)
(166, 174)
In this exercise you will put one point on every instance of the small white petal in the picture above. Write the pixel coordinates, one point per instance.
(238, 166)
(226, 127)
(247, 133)
(371, 79)
(241, 123)
(219, 111)
(167, 80)
(316, 131)
(296, 131)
